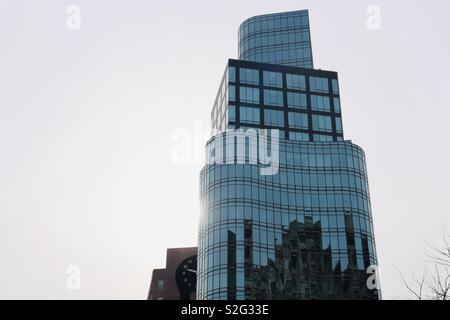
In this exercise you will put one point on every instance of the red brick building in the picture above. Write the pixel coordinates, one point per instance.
(163, 285)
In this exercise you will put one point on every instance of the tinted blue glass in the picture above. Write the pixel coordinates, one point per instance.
(273, 79)
(338, 125)
(281, 38)
(274, 118)
(249, 115)
(337, 105)
(250, 76)
(232, 74)
(321, 123)
(296, 100)
(231, 93)
(298, 120)
(320, 103)
(298, 136)
(335, 86)
(318, 84)
(273, 98)
(282, 211)
(248, 94)
(232, 113)
(295, 81)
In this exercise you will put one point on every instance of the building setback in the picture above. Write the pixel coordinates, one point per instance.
(305, 231)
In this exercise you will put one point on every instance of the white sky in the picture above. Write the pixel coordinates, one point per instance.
(86, 118)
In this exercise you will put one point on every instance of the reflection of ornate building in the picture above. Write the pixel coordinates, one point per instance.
(303, 269)
(301, 266)
(306, 231)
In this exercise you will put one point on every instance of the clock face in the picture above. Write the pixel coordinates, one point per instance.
(186, 276)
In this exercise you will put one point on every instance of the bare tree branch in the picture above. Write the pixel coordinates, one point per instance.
(434, 285)
(416, 292)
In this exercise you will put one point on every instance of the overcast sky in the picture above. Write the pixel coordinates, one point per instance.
(86, 119)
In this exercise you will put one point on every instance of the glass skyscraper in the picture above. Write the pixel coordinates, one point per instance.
(281, 38)
(305, 231)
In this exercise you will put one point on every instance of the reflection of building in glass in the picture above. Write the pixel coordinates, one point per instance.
(305, 232)
(316, 211)
(303, 269)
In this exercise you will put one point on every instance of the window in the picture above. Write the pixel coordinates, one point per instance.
(231, 93)
(274, 118)
(337, 105)
(338, 125)
(250, 76)
(318, 84)
(298, 136)
(273, 98)
(295, 81)
(240, 277)
(335, 86)
(320, 103)
(160, 284)
(232, 74)
(321, 123)
(296, 100)
(273, 79)
(298, 120)
(322, 138)
(248, 94)
(249, 115)
(232, 113)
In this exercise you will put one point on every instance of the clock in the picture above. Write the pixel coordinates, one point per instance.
(186, 277)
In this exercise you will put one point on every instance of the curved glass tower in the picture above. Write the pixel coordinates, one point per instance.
(280, 38)
(285, 202)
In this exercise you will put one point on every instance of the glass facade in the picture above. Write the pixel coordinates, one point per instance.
(306, 231)
(293, 100)
(280, 38)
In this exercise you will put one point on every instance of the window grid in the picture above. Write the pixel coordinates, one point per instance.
(318, 188)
